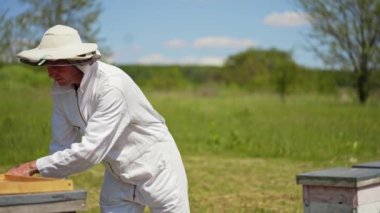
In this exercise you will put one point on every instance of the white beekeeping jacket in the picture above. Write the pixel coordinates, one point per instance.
(107, 119)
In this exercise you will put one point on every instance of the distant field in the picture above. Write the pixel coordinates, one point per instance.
(241, 151)
(304, 127)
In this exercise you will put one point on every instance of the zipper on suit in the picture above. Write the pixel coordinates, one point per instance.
(134, 192)
(109, 165)
(80, 113)
(112, 171)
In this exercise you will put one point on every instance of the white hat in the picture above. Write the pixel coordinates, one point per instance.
(60, 43)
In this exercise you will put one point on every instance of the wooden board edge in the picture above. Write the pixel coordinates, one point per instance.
(67, 206)
(26, 178)
(35, 187)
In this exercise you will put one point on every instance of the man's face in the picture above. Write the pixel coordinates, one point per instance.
(65, 75)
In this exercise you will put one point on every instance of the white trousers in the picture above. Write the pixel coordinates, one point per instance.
(156, 179)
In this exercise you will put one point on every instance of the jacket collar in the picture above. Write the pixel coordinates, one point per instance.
(88, 70)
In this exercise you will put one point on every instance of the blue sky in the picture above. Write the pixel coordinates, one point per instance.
(201, 31)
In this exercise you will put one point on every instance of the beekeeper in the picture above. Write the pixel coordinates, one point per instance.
(101, 115)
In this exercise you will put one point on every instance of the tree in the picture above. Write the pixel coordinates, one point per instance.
(347, 35)
(5, 35)
(39, 15)
(257, 68)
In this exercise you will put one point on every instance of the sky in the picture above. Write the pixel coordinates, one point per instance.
(202, 32)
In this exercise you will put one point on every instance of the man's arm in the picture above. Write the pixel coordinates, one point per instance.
(103, 129)
(64, 134)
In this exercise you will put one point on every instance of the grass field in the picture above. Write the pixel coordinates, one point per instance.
(241, 151)
(219, 184)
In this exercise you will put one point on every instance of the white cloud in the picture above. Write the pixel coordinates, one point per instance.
(155, 58)
(222, 42)
(175, 43)
(216, 61)
(286, 19)
(208, 60)
(161, 59)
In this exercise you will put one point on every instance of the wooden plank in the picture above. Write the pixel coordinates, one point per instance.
(66, 206)
(17, 184)
(26, 179)
(22, 199)
(4, 177)
(340, 177)
(326, 194)
(316, 207)
(34, 187)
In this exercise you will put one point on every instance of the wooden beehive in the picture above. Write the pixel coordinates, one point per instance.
(39, 195)
(47, 202)
(341, 190)
(19, 184)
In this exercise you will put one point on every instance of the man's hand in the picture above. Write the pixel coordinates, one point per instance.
(25, 169)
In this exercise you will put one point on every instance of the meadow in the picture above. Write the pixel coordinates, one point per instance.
(241, 149)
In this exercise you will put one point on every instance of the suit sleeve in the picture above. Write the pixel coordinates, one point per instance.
(103, 130)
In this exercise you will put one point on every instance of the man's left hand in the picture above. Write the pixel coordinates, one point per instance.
(25, 169)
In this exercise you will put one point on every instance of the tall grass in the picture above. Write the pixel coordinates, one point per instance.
(305, 127)
(308, 127)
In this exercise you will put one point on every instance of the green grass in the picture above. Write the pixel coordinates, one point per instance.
(305, 127)
(219, 184)
(241, 151)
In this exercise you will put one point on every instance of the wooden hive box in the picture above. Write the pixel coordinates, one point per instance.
(64, 201)
(341, 190)
(39, 195)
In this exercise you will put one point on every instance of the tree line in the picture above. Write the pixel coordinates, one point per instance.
(253, 70)
(345, 35)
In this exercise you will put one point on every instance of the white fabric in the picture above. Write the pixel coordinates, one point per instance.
(109, 120)
(161, 186)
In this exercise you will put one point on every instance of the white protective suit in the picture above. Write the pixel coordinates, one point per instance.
(108, 119)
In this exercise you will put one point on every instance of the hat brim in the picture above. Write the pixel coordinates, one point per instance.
(77, 52)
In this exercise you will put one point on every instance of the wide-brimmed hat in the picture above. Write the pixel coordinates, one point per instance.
(60, 43)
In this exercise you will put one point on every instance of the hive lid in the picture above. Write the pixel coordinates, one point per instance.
(340, 177)
(373, 165)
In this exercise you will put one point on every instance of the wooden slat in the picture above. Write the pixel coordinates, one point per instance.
(17, 184)
(317, 207)
(341, 208)
(33, 187)
(25, 178)
(334, 195)
(67, 206)
(22, 199)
